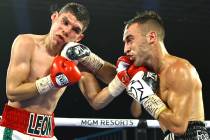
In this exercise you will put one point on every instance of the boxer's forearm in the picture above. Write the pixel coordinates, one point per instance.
(90, 88)
(102, 99)
(172, 122)
(106, 73)
(22, 92)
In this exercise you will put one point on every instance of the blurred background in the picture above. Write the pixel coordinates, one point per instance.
(187, 35)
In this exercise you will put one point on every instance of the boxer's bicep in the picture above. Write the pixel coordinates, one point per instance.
(183, 89)
(179, 100)
(19, 65)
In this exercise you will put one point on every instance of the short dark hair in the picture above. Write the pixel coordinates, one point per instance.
(149, 17)
(79, 11)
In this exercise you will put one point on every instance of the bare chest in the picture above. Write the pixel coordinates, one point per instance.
(40, 64)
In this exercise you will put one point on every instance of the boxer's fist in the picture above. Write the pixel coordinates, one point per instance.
(122, 65)
(118, 84)
(75, 51)
(142, 87)
(123, 62)
(82, 54)
(132, 70)
(62, 72)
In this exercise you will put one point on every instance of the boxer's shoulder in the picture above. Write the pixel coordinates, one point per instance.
(23, 41)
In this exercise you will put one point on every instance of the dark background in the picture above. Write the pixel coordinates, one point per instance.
(187, 35)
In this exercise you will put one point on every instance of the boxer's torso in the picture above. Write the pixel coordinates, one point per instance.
(167, 94)
(39, 67)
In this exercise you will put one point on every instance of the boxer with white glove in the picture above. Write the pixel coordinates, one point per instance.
(79, 52)
(142, 88)
(62, 73)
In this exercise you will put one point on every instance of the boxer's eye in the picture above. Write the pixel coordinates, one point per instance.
(65, 22)
(128, 39)
(76, 30)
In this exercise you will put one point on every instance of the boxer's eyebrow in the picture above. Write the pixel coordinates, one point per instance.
(75, 28)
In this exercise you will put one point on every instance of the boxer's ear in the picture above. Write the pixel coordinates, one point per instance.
(151, 37)
(54, 16)
(80, 37)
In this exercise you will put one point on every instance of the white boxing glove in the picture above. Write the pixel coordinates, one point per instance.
(80, 53)
(74, 51)
(142, 88)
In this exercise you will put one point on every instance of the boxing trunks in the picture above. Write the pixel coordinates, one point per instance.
(19, 124)
(196, 131)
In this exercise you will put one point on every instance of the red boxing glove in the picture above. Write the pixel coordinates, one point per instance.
(64, 72)
(123, 63)
(132, 70)
(121, 80)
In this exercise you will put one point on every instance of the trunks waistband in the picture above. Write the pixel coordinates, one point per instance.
(195, 130)
(29, 123)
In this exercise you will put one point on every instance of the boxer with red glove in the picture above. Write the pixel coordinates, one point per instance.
(62, 73)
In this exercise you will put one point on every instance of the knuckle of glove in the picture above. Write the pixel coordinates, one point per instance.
(75, 51)
(125, 59)
(122, 66)
(132, 70)
(72, 53)
(123, 63)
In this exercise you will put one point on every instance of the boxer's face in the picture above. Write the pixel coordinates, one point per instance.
(135, 44)
(65, 28)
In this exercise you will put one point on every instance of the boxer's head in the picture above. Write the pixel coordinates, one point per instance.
(143, 34)
(79, 11)
(68, 24)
